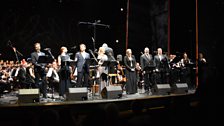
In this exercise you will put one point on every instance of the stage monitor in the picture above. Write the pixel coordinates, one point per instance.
(111, 92)
(77, 94)
(162, 89)
(28, 95)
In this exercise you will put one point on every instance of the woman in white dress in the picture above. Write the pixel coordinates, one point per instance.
(102, 70)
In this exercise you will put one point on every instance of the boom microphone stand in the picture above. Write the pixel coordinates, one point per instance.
(15, 51)
(94, 24)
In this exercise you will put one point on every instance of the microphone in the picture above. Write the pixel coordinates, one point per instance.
(69, 54)
(73, 47)
(90, 50)
(93, 39)
(9, 43)
(47, 49)
(95, 51)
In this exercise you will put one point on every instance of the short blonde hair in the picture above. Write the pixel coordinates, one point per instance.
(128, 51)
(101, 50)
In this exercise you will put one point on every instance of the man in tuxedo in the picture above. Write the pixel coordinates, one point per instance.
(39, 70)
(162, 67)
(147, 64)
(81, 59)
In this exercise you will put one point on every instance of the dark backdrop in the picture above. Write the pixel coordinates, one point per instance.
(55, 23)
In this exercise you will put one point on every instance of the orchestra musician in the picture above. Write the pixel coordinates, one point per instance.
(139, 76)
(186, 70)
(64, 72)
(39, 70)
(111, 66)
(82, 66)
(147, 64)
(53, 77)
(174, 65)
(130, 63)
(25, 75)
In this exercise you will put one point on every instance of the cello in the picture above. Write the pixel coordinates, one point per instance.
(121, 76)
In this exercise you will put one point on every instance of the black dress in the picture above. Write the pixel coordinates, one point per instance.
(64, 74)
(131, 83)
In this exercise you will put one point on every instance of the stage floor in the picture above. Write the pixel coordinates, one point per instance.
(11, 98)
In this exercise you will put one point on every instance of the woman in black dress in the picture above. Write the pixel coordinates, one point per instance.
(64, 72)
(130, 63)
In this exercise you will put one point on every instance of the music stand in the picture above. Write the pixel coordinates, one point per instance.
(69, 62)
(44, 59)
(149, 69)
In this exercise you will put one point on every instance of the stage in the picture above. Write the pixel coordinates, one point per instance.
(10, 100)
(16, 113)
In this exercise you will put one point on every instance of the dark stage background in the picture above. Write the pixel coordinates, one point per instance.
(55, 23)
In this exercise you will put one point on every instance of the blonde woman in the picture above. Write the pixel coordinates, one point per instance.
(102, 70)
(130, 73)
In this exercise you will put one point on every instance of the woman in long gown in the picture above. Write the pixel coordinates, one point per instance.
(130, 63)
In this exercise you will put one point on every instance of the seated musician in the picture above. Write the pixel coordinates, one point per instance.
(53, 76)
(25, 75)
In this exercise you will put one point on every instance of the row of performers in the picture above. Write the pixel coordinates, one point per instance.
(64, 71)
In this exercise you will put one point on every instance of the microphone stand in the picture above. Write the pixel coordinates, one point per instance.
(15, 51)
(95, 71)
(52, 88)
(94, 24)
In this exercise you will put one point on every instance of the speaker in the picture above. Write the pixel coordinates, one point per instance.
(180, 88)
(111, 92)
(77, 94)
(28, 95)
(162, 89)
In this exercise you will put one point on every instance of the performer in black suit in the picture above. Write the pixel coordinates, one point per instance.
(39, 70)
(162, 67)
(82, 65)
(130, 63)
(146, 61)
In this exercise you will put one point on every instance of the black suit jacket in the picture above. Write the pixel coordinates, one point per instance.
(81, 62)
(34, 58)
(146, 61)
